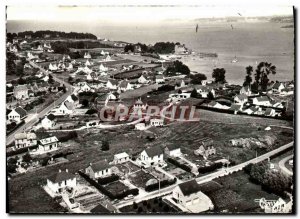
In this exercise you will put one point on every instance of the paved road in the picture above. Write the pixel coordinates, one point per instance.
(33, 120)
(283, 167)
(206, 178)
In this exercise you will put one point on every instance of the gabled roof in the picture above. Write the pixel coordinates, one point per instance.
(159, 77)
(113, 82)
(277, 85)
(24, 135)
(235, 107)
(61, 176)
(189, 187)
(49, 140)
(173, 147)
(124, 84)
(69, 105)
(268, 111)
(21, 111)
(262, 98)
(154, 151)
(100, 165)
(121, 155)
(21, 88)
(242, 97)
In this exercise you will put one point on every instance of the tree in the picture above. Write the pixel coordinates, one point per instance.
(210, 95)
(51, 80)
(180, 91)
(248, 78)
(21, 81)
(262, 72)
(85, 103)
(12, 165)
(276, 182)
(27, 158)
(178, 66)
(194, 93)
(105, 145)
(128, 48)
(219, 75)
(198, 78)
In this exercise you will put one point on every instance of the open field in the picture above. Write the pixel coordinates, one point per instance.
(238, 194)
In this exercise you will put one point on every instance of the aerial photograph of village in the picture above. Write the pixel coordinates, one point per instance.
(150, 110)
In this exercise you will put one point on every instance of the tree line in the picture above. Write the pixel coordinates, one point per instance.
(51, 34)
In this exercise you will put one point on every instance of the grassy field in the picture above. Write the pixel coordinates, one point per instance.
(238, 194)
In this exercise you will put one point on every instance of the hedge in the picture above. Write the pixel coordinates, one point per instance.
(20, 151)
(103, 190)
(182, 166)
(163, 184)
(10, 130)
(109, 179)
(208, 169)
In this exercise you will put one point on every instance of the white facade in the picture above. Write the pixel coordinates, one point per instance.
(14, 116)
(121, 158)
(109, 85)
(48, 144)
(154, 160)
(156, 122)
(47, 123)
(57, 186)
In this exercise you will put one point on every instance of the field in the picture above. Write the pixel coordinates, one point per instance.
(238, 194)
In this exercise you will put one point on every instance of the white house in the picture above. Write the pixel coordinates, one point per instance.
(270, 112)
(98, 169)
(278, 87)
(87, 63)
(61, 180)
(140, 126)
(179, 96)
(241, 99)
(84, 87)
(104, 53)
(87, 55)
(65, 108)
(125, 86)
(262, 101)
(246, 90)
(48, 122)
(217, 105)
(142, 80)
(189, 196)
(112, 84)
(73, 99)
(23, 140)
(173, 150)
(121, 158)
(102, 68)
(152, 156)
(48, 144)
(107, 58)
(17, 114)
(53, 67)
(159, 79)
(21, 92)
(156, 122)
(204, 91)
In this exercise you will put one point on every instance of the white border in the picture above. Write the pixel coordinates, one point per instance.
(3, 3)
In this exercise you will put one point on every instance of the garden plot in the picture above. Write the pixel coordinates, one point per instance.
(140, 178)
(116, 187)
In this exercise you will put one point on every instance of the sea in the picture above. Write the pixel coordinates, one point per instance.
(249, 42)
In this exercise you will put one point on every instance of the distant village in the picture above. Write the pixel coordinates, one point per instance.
(55, 94)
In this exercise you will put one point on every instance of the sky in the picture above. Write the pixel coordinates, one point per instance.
(138, 14)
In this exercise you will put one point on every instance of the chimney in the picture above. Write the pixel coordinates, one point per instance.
(59, 170)
(67, 170)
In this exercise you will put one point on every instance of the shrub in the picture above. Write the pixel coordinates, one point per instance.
(211, 168)
(109, 179)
